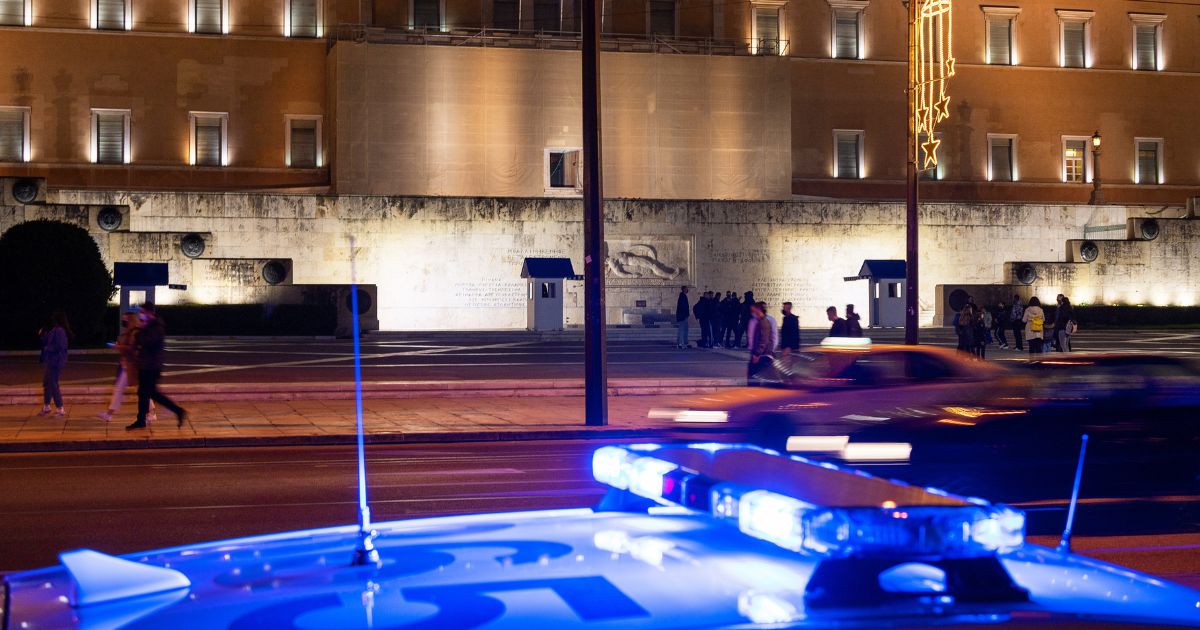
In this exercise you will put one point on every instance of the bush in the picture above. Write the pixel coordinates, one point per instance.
(243, 319)
(51, 265)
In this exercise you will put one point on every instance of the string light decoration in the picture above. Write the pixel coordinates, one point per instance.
(934, 65)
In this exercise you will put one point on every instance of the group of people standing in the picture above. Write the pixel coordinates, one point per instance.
(978, 327)
(140, 347)
(730, 321)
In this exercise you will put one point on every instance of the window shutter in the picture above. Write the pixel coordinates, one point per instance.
(576, 16)
(208, 141)
(12, 135)
(1000, 41)
(505, 15)
(427, 14)
(1002, 160)
(1073, 44)
(1147, 163)
(766, 25)
(546, 16)
(662, 17)
(208, 16)
(304, 18)
(12, 12)
(304, 144)
(847, 155)
(110, 14)
(110, 138)
(1147, 47)
(846, 35)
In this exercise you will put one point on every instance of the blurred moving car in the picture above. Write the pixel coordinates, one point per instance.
(696, 536)
(817, 399)
(1105, 381)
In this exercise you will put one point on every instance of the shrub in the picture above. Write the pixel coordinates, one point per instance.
(51, 265)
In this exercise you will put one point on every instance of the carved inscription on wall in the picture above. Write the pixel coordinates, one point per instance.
(489, 293)
(739, 256)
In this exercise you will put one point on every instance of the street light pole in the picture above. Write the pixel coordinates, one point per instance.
(1097, 194)
(911, 304)
(595, 357)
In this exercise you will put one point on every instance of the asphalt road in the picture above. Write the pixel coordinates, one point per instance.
(119, 502)
(490, 355)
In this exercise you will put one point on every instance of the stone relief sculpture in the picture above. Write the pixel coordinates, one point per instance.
(639, 261)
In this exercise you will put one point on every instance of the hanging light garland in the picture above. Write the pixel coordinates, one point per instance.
(935, 65)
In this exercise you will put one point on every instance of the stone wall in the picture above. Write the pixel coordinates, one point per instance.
(444, 263)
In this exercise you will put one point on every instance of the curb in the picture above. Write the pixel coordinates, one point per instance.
(582, 433)
(509, 388)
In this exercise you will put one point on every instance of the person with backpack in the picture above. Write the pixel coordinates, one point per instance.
(1034, 319)
(1016, 320)
(964, 327)
(1064, 324)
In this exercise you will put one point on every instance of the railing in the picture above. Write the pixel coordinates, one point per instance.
(557, 40)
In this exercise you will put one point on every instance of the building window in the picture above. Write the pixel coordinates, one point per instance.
(16, 13)
(1073, 34)
(1147, 40)
(662, 17)
(426, 14)
(935, 172)
(114, 15)
(110, 136)
(848, 158)
(1149, 161)
(14, 134)
(1076, 161)
(1000, 42)
(547, 16)
(564, 170)
(1002, 158)
(845, 34)
(209, 146)
(303, 141)
(766, 30)
(302, 18)
(506, 15)
(207, 16)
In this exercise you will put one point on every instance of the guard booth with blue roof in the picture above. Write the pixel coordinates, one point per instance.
(137, 278)
(885, 291)
(545, 278)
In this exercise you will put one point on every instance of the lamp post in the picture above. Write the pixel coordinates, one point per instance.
(595, 353)
(911, 304)
(1097, 194)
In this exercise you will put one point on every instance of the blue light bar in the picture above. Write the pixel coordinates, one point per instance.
(923, 523)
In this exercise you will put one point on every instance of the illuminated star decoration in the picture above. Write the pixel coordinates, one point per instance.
(935, 64)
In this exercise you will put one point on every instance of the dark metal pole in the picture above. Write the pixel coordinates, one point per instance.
(911, 304)
(595, 357)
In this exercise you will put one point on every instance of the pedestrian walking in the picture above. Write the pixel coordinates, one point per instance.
(838, 325)
(682, 313)
(964, 328)
(55, 337)
(983, 322)
(789, 331)
(1002, 324)
(853, 322)
(760, 342)
(151, 348)
(1034, 320)
(744, 316)
(126, 347)
(1016, 320)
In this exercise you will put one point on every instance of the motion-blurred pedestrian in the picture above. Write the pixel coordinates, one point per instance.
(126, 347)
(789, 331)
(1002, 324)
(838, 326)
(151, 348)
(682, 313)
(1016, 319)
(55, 337)
(744, 317)
(761, 342)
(853, 322)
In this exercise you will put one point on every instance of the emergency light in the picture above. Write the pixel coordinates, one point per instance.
(815, 509)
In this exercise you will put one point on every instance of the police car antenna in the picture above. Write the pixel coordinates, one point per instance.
(365, 553)
(1064, 544)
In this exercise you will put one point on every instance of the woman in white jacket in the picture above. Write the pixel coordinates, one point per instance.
(1035, 323)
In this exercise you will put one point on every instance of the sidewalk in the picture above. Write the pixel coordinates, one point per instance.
(284, 423)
